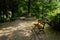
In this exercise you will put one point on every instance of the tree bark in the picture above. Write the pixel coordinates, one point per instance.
(6, 12)
(29, 5)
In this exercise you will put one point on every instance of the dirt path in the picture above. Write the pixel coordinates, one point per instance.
(17, 30)
(22, 30)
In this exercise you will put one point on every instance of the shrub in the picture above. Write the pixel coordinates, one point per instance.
(55, 22)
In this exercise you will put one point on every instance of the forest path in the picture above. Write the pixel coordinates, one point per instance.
(16, 30)
(22, 30)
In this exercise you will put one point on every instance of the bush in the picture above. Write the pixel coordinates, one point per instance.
(55, 22)
(2, 19)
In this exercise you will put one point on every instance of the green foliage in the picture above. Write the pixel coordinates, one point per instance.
(55, 22)
(39, 7)
(20, 7)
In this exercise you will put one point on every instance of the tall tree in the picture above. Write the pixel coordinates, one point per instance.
(29, 5)
(13, 5)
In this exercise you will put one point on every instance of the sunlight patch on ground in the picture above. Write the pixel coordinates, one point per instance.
(21, 28)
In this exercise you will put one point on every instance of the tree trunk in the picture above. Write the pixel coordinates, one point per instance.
(12, 16)
(29, 5)
(6, 12)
